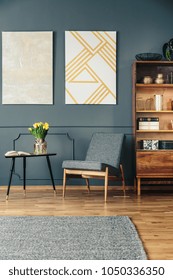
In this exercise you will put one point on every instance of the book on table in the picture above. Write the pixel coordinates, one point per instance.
(17, 153)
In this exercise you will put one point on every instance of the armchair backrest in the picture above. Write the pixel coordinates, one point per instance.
(106, 148)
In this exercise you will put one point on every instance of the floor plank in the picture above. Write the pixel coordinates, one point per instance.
(152, 212)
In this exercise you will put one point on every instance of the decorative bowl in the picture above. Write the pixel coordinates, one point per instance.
(149, 56)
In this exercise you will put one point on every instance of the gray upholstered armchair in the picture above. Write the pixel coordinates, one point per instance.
(102, 161)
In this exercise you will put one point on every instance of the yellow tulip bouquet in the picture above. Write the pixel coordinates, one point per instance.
(39, 130)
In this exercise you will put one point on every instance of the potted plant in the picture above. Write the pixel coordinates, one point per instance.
(39, 130)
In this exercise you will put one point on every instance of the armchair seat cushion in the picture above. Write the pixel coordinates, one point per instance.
(89, 165)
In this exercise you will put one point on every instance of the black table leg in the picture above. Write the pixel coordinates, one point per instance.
(11, 174)
(24, 174)
(51, 175)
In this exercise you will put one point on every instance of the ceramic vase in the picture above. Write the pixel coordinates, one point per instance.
(40, 146)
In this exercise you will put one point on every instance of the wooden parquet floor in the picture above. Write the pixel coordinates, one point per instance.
(152, 212)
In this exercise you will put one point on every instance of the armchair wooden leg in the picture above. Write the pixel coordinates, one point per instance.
(64, 182)
(87, 183)
(123, 179)
(106, 183)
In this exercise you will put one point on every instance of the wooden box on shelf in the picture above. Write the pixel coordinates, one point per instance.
(152, 163)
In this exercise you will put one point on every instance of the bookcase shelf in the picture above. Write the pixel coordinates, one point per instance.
(154, 85)
(154, 131)
(155, 112)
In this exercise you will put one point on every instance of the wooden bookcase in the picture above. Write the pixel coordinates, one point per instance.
(156, 163)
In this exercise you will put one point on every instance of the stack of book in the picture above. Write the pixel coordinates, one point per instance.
(147, 123)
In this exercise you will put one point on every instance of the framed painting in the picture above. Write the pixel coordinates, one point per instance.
(90, 67)
(27, 68)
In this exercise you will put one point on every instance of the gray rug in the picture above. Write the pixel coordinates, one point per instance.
(69, 238)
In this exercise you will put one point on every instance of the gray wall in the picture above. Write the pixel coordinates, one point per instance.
(142, 26)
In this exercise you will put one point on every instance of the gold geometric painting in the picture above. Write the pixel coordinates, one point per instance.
(27, 67)
(90, 67)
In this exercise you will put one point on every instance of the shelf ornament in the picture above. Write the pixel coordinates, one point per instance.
(168, 50)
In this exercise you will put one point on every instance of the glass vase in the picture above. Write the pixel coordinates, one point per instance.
(40, 146)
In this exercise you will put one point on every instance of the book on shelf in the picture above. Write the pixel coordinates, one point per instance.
(16, 153)
(149, 126)
(148, 119)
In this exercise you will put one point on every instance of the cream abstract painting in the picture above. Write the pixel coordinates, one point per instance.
(90, 67)
(27, 68)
